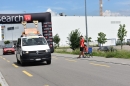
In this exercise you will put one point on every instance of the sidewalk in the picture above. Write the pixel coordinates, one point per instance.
(97, 59)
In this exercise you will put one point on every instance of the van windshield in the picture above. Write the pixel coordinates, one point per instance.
(33, 41)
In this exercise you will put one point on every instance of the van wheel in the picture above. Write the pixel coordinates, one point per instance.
(22, 63)
(48, 62)
(18, 62)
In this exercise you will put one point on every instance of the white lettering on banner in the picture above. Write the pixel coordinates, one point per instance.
(11, 18)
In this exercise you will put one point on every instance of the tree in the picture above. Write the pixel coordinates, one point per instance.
(7, 42)
(101, 39)
(121, 33)
(74, 39)
(89, 39)
(56, 40)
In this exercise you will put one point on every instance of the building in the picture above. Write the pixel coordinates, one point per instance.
(63, 25)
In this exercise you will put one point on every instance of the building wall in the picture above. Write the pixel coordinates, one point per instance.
(18, 29)
(63, 25)
(0, 33)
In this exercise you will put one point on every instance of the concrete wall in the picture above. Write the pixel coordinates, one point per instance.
(63, 25)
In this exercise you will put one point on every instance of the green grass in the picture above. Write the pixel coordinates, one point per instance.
(0, 84)
(62, 47)
(117, 54)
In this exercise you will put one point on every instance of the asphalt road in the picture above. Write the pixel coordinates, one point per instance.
(64, 72)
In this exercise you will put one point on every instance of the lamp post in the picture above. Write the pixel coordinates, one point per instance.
(86, 25)
(12, 28)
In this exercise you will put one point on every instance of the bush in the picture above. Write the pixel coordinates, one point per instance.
(7, 42)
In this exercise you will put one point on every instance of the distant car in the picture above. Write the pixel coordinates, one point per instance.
(8, 49)
(103, 48)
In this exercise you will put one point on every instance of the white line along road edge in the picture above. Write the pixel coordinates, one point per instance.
(2, 80)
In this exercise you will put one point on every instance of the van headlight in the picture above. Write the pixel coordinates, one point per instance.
(25, 52)
(48, 50)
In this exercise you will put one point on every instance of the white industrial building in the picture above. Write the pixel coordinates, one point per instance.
(63, 25)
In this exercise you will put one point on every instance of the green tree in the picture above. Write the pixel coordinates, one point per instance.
(7, 42)
(89, 39)
(74, 39)
(101, 39)
(56, 40)
(121, 33)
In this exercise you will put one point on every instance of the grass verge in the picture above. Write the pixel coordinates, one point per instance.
(117, 54)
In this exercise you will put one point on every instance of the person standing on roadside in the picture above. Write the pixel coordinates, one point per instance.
(81, 47)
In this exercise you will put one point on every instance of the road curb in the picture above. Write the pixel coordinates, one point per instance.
(2, 80)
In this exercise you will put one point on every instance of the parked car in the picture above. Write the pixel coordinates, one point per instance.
(8, 49)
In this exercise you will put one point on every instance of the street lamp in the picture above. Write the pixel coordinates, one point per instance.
(86, 25)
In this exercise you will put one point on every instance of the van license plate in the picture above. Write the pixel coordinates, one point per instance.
(38, 59)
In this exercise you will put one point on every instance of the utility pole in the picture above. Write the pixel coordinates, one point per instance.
(86, 25)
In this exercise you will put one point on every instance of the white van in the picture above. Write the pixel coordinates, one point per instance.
(33, 48)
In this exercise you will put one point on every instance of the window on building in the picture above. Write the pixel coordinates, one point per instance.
(115, 22)
(10, 28)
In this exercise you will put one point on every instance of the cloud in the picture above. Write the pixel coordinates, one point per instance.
(109, 13)
(52, 12)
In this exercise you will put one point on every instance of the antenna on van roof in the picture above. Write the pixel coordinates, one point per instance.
(24, 23)
(36, 23)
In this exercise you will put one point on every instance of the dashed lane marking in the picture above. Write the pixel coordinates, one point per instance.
(54, 57)
(8, 61)
(28, 74)
(70, 60)
(99, 65)
(4, 58)
(15, 65)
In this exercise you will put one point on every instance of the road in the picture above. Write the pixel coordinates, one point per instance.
(64, 72)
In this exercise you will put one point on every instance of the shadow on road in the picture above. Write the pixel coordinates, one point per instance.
(31, 64)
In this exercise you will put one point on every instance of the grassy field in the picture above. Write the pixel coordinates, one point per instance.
(124, 53)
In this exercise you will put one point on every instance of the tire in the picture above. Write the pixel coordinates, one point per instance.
(48, 62)
(3, 53)
(18, 62)
(22, 63)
